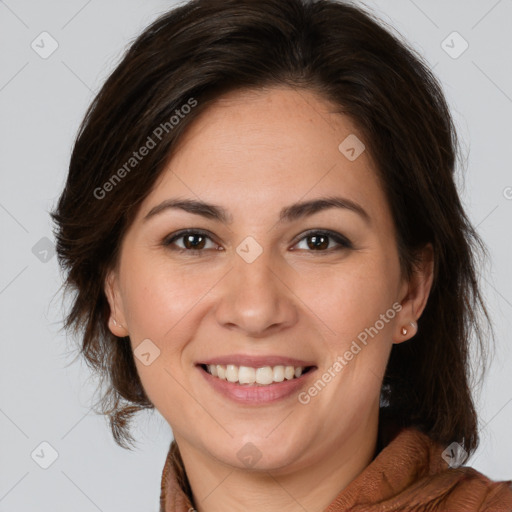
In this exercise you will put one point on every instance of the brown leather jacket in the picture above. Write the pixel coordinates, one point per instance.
(408, 475)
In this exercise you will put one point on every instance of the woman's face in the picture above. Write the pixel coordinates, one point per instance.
(262, 285)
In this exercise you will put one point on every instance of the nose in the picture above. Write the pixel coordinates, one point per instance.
(256, 298)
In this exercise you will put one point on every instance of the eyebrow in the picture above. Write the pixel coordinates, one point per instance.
(287, 214)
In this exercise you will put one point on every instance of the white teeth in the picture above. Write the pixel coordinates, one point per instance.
(278, 373)
(246, 375)
(221, 372)
(231, 373)
(289, 372)
(264, 375)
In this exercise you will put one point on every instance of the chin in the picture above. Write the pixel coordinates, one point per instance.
(259, 453)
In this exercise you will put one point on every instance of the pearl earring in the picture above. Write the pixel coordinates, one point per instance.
(404, 331)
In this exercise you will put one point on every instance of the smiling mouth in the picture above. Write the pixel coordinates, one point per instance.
(250, 376)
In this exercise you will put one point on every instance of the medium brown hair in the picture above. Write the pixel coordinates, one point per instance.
(204, 49)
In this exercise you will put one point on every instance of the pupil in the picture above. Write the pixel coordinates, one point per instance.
(319, 242)
(190, 244)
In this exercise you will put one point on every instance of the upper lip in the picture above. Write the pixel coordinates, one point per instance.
(256, 361)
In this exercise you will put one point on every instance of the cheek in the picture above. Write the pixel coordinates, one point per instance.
(352, 297)
(157, 295)
(158, 301)
(358, 318)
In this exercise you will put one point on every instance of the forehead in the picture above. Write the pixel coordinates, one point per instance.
(256, 151)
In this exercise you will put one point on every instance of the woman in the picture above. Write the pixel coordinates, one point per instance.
(266, 244)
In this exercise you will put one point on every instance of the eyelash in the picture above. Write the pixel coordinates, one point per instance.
(344, 243)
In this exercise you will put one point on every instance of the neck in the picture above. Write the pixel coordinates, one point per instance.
(311, 486)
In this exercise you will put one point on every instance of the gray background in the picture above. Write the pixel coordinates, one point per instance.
(46, 398)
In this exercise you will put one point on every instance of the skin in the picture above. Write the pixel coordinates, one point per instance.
(254, 153)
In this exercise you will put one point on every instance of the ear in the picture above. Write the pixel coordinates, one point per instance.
(414, 295)
(117, 320)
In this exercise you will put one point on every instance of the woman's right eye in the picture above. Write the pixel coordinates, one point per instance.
(192, 241)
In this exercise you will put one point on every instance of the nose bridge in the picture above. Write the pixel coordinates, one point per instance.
(256, 275)
(254, 298)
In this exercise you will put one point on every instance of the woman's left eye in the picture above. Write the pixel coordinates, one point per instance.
(197, 241)
(319, 241)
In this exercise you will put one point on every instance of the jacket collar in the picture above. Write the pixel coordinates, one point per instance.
(408, 472)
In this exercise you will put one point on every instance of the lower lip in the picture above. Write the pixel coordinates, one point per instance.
(254, 394)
